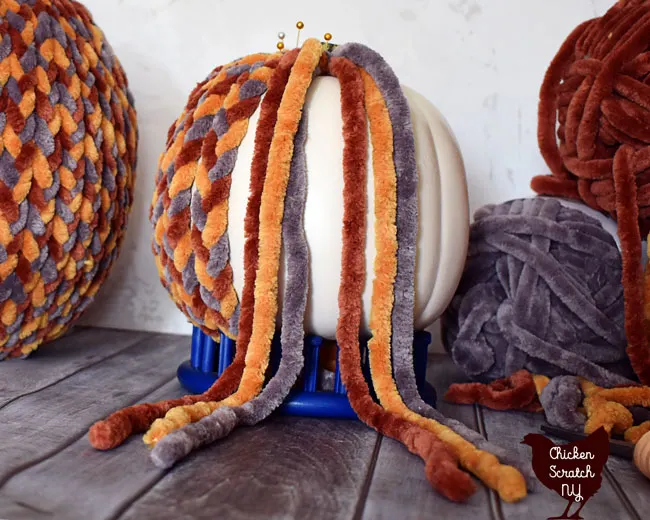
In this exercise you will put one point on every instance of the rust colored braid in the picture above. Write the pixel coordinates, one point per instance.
(116, 428)
(517, 392)
(441, 464)
(596, 95)
(68, 140)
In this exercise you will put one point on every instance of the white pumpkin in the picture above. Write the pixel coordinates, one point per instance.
(443, 204)
(642, 455)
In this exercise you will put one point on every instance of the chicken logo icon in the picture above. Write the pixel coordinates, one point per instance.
(572, 470)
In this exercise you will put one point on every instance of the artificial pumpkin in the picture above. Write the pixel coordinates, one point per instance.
(642, 455)
(443, 206)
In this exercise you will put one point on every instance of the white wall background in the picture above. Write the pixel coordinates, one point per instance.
(480, 61)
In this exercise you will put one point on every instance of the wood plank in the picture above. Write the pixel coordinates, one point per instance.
(632, 483)
(15, 510)
(103, 482)
(508, 429)
(287, 467)
(399, 488)
(60, 359)
(38, 425)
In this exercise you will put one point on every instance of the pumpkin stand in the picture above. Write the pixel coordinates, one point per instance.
(210, 358)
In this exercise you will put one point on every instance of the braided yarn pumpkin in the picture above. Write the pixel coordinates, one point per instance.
(594, 133)
(68, 139)
(380, 146)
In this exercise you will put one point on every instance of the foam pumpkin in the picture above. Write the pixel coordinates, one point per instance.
(443, 209)
(642, 455)
(310, 188)
(442, 234)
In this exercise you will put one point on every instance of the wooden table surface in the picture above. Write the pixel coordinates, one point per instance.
(285, 468)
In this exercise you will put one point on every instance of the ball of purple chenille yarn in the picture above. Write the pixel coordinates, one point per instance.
(541, 291)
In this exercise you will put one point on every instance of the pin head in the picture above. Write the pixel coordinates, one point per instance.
(327, 37)
(300, 25)
(281, 35)
(280, 45)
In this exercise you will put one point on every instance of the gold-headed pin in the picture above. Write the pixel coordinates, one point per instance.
(327, 45)
(280, 44)
(299, 26)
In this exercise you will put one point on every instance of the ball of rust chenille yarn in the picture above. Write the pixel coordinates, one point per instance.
(541, 291)
(594, 133)
(68, 139)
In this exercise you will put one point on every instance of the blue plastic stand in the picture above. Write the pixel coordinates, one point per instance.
(209, 359)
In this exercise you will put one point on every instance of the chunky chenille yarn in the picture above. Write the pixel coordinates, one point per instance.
(541, 291)
(593, 133)
(68, 139)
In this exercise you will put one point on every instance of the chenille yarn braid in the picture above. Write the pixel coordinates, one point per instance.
(505, 479)
(454, 483)
(68, 140)
(112, 431)
(180, 443)
(173, 447)
(190, 213)
(271, 213)
(593, 134)
(441, 467)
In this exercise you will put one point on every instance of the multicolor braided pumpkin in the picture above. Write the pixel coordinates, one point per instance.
(68, 139)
